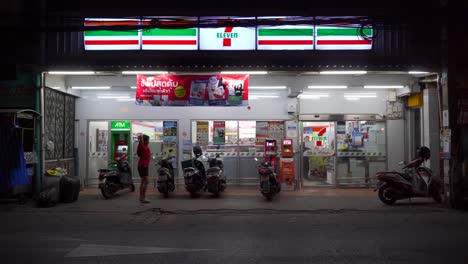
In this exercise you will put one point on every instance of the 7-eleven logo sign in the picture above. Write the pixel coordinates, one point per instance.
(320, 130)
(227, 38)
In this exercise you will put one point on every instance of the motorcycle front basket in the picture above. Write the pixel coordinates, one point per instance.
(188, 164)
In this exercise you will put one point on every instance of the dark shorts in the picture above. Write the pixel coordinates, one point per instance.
(143, 171)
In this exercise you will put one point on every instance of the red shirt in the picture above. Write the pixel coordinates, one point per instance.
(144, 154)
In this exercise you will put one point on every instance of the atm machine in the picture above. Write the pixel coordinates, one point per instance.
(287, 164)
(271, 151)
(120, 139)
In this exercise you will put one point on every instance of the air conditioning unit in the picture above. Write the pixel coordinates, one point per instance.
(293, 93)
(406, 91)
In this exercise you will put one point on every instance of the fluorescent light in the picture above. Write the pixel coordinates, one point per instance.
(360, 95)
(143, 72)
(71, 72)
(113, 97)
(417, 72)
(313, 95)
(383, 86)
(125, 99)
(244, 72)
(133, 87)
(253, 97)
(56, 87)
(91, 87)
(343, 72)
(327, 87)
(268, 87)
(352, 98)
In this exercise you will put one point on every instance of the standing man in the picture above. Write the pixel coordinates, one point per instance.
(144, 154)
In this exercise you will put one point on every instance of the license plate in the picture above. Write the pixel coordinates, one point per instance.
(264, 177)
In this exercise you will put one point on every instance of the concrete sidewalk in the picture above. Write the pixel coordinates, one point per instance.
(235, 198)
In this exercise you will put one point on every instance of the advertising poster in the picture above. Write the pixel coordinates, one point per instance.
(219, 128)
(261, 133)
(202, 133)
(287, 170)
(276, 130)
(192, 90)
(169, 138)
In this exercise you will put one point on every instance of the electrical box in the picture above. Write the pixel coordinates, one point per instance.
(291, 107)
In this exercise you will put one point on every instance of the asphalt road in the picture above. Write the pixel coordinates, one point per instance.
(428, 235)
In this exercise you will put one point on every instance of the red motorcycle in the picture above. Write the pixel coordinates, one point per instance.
(415, 181)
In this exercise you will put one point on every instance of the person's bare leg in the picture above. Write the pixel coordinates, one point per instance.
(143, 185)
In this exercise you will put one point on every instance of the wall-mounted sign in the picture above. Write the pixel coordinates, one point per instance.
(219, 132)
(343, 38)
(169, 39)
(285, 38)
(111, 39)
(181, 90)
(227, 38)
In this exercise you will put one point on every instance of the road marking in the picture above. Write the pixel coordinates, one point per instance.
(94, 250)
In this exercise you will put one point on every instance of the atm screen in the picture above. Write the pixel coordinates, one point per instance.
(287, 142)
(122, 149)
(270, 144)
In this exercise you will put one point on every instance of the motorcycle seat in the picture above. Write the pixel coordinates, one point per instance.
(407, 176)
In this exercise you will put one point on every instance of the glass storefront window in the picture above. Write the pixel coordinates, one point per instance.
(361, 152)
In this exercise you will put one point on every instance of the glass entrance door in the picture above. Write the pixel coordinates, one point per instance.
(318, 153)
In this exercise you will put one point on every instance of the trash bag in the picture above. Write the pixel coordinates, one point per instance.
(47, 198)
(69, 189)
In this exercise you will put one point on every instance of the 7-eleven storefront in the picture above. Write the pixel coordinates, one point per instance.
(342, 129)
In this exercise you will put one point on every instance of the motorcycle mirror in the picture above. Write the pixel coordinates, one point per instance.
(255, 159)
(401, 162)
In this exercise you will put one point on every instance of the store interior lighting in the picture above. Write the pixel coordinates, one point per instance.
(91, 87)
(360, 95)
(71, 72)
(133, 87)
(313, 95)
(245, 72)
(257, 96)
(343, 72)
(383, 86)
(113, 96)
(143, 72)
(327, 87)
(125, 99)
(268, 87)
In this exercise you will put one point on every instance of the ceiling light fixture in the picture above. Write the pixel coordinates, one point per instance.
(254, 97)
(383, 86)
(313, 95)
(353, 98)
(143, 72)
(245, 72)
(91, 87)
(343, 72)
(360, 95)
(113, 97)
(125, 99)
(133, 87)
(327, 87)
(71, 72)
(268, 87)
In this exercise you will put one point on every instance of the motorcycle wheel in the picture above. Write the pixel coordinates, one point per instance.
(383, 195)
(268, 196)
(132, 187)
(106, 191)
(436, 196)
(166, 195)
(193, 194)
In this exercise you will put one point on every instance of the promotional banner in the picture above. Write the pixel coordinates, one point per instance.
(192, 90)
(202, 133)
(170, 138)
(219, 128)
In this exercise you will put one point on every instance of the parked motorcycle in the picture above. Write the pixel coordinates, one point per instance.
(165, 179)
(194, 173)
(216, 181)
(116, 178)
(270, 184)
(415, 181)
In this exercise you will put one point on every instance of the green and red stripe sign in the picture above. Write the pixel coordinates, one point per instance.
(110, 39)
(285, 38)
(170, 39)
(342, 38)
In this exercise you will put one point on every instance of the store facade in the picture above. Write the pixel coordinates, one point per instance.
(336, 141)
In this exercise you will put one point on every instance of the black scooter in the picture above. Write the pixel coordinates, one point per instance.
(117, 178)
(165, 180)
(194, 173)
(216, 181)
